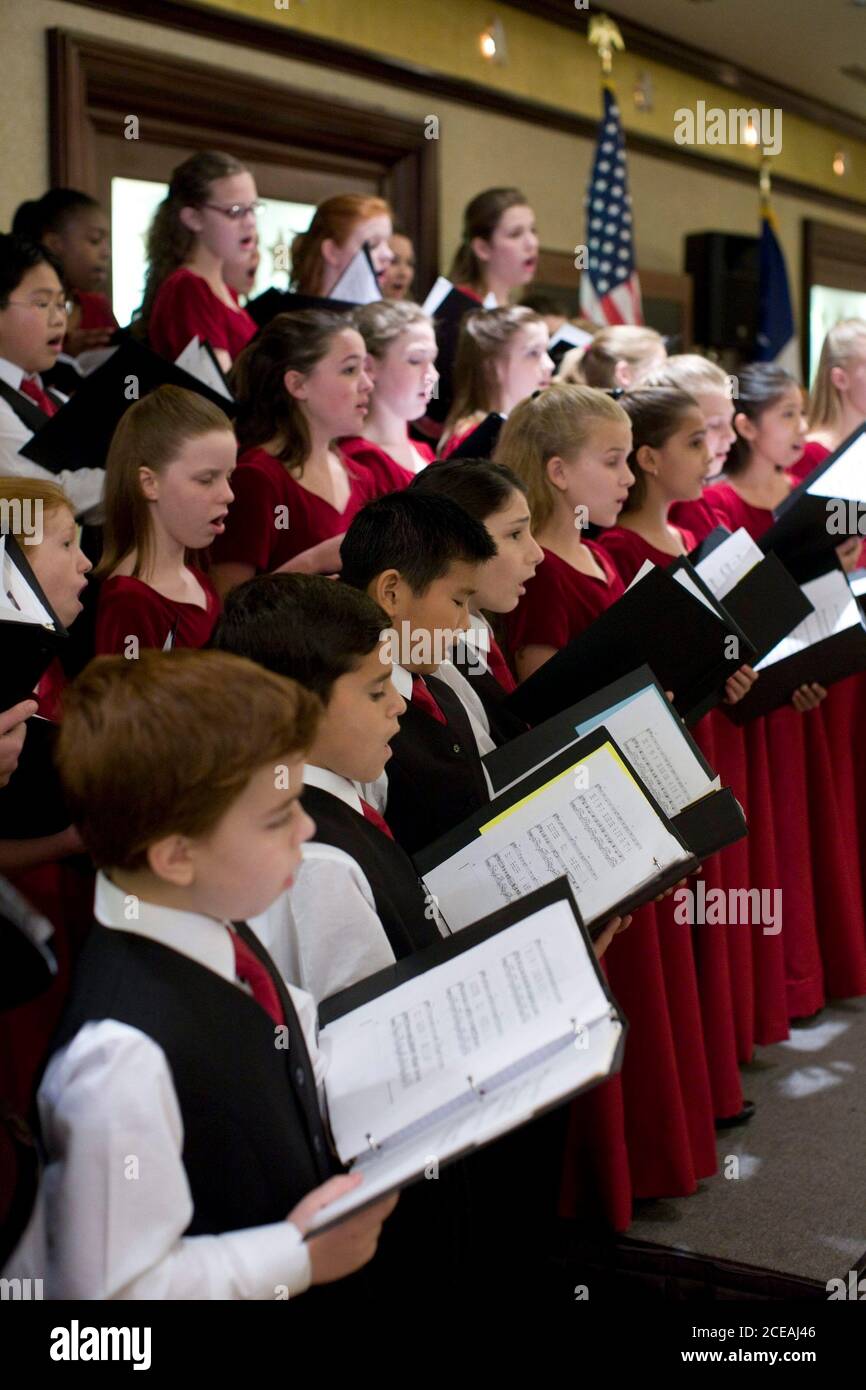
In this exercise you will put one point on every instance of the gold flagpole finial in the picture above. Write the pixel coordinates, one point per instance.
(605, 36)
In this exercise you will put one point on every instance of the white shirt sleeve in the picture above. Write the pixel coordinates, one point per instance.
(83, 486)
(114, 1199)
(327, 926)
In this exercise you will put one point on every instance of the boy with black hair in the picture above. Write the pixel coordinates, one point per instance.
(419, 558)
(186, 1151)
(33, 313)
(356, 904)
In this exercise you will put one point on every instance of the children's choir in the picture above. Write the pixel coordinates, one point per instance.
(304, 628)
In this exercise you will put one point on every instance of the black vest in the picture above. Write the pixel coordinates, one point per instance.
(504, 724)
(435, 778)
(27, 410)
(397, 890)
(254, 1143)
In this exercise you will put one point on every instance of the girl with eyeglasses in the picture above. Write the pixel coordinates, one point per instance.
(207, 219)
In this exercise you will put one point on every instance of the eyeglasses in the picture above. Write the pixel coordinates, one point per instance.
(236, 211)
(45, 304)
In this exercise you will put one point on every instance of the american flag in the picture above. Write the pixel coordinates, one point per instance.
(609, 286)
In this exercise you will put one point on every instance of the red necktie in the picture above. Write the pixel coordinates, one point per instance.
(372, 815)
(250, 970)
(40, 397)
(498, 667)
(422, 697)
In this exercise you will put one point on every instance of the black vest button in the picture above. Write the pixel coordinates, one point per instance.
(299, 1075)
(456, 747)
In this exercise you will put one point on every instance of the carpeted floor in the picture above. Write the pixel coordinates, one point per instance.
(795, 1200)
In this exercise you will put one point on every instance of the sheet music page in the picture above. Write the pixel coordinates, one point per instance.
(642, 573)
(570, 333)
(196, 360)
(685, 579)
(591, 822)
(496, 1112)
(730, 562)
(836, 609)
(846, 477)
(441, 289)
(18, 602)
(411, 1051)
(358, 283)
(650, 736)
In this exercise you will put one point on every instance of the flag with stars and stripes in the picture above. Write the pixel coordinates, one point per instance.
(609, 285)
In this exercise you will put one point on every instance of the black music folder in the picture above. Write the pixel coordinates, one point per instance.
(822, 512)
(357, 285)
(464, 1041)
(827, 646)
(482, 441)
(31, 634)
(80, 434)
(447, 306)
(586, 813)
(756, 589)
(659, 621)
(659, 747)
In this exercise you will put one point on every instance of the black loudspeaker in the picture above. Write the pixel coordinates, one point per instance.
(725, 271)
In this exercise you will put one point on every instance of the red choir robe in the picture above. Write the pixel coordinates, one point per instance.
(661, 1101)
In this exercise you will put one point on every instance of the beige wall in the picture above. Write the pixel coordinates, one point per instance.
(477, 149)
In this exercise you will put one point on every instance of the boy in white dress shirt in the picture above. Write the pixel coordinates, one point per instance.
(357, 904)
(33, 315)
(185, 1152)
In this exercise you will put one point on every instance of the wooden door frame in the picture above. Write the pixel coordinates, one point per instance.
(94, 85)
(834, 256)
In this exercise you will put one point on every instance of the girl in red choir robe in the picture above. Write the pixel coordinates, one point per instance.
(166, 494)
(498, 251)
(207, 218)
(401, 348)
(837, 407)
(300, 386)
(501, 359)
(340, 227)
(570, 445)
(823, 922)
(670, 458)
(40, 852)
(73, 226)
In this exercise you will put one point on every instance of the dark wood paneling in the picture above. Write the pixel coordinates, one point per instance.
(94, 85)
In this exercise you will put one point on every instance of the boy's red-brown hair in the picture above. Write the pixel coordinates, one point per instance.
(165, 744)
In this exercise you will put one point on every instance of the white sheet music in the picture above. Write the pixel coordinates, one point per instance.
(358, 283)
(440, 291)
(571, 334)
(846, 477)
(592, 822)
(476, 1120)
(196, 360)
(650, 734)
(730, 562)
(401, 1057)
(685, 579)
(836, 609)
(18, 602)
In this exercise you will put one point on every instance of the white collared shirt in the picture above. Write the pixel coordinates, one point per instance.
(107, 1097)
(325, 933)
(83, 486)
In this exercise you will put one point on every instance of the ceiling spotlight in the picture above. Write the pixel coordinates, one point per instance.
(750, 134)
(840, 164)
(642, 93)
(492, 42)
